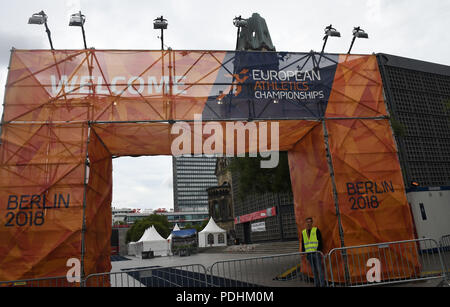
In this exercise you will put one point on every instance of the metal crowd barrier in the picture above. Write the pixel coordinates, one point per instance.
(193, 275)
(287, 270)
(365, 265)
(386, 263)
(444, 242)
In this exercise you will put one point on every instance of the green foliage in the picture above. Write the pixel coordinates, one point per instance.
(254, 179)
(203, 224)
(447, 105)
(197, 227)
(137, 230)
(188, 226)
(397, 127)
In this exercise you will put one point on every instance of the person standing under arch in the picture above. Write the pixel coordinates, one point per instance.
(312, 244)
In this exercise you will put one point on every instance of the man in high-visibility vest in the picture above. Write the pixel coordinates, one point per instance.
(312, 244)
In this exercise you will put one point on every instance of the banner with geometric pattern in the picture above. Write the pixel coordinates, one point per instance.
(68, 112)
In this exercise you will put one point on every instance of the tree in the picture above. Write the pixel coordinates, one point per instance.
(160, 222)
(398, 128)
(253, 178)
(197, 227)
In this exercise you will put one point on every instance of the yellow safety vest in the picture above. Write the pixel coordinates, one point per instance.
(311, 243)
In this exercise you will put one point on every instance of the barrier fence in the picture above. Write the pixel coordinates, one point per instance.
(445, 248)
(288, 270)
(194, 275)
(365, 265)
(386, 263)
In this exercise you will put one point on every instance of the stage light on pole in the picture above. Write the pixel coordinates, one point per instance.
(39, 19)
(357, 33)
(329, 31)
(160, 23)
(78, 20)
(239, 23)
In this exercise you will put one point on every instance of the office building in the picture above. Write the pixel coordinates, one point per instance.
(192, 176)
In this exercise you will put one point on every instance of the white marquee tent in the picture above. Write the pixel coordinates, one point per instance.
(176, 228)
(169, 238)
(212, 235)
(135, 248)
(151, 240)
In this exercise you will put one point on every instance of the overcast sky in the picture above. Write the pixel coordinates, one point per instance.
(412, 28)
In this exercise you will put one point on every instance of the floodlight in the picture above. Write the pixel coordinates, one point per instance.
(361, 35)
(219, 98)
(240, 22)
(160, 23)
(78, 20)
(39, 19)
(357, 33)
(333, 33)
(329, 31)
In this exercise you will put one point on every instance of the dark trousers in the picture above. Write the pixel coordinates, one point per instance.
(315, 260)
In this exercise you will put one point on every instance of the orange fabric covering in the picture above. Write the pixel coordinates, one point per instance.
(123, 139)
(116, 103)
(42, 199)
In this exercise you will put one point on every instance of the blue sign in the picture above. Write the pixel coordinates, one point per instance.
(271, 85)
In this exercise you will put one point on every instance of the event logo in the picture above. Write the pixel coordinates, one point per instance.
(238, 83)
(289, 84)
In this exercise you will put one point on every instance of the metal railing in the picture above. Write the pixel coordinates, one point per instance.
(287, 270)
(193, 275)
(444, 243)
(365, 265)
(386, 263)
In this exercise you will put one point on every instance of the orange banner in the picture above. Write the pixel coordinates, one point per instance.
(67, 112)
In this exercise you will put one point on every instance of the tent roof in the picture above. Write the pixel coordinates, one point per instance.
(144, 235)
(212, 227)
(176, 228)
(151, 234)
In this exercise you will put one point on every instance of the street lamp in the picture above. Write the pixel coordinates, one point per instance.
(77, 20)
(357, 32)
(329, 31)
(239, 22)
(160, 23)
(38, 19)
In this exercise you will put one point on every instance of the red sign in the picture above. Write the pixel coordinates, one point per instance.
(255, 215)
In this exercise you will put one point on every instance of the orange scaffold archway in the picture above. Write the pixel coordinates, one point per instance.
(68, 112)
